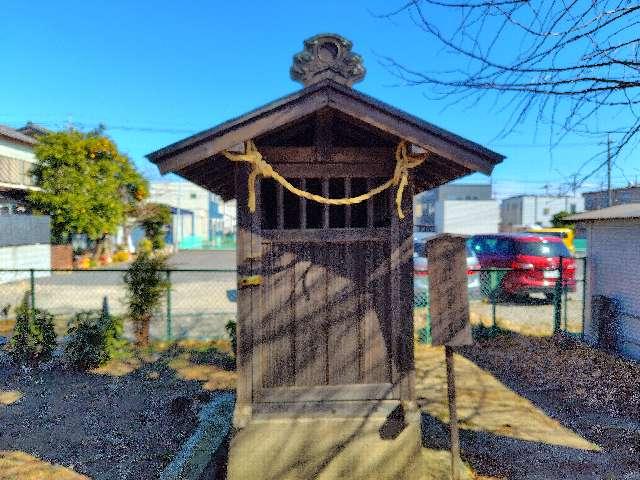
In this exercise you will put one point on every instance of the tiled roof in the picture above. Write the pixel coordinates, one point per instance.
(16, 135)
(625, 211)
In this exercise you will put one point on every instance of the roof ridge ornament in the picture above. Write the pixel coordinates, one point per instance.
(327, 55)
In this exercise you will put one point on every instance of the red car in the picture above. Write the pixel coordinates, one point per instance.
(531, 263)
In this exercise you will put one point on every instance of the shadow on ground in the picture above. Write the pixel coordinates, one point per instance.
(510, 428)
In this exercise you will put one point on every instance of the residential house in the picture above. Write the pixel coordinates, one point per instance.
(613, 263)
(459, 208)
(16, 161)
(198, 215)
(526, 211)
(619, 196)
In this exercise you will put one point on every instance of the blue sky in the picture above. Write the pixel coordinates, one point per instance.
(155, 72)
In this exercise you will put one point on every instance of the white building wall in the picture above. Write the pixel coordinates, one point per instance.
(540, 210)
(185, 196)
(613, 265)
(467, 217)
(24, 257)
(17, 150)
(529, 211)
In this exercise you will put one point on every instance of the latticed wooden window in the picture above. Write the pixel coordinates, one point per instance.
(13, 170)
(280, 209)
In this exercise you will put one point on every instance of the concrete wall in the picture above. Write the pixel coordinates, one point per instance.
(613, 264)
(467, 217)
(24, 230)
(24, 257)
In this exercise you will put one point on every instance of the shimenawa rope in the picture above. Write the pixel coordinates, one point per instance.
(404, 162)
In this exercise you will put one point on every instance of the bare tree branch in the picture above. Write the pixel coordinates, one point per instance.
(571, 63)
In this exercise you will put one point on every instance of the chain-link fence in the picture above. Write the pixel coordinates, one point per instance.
(505, 298)
(197, 305)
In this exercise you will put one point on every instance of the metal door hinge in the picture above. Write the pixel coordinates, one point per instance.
(252, 281)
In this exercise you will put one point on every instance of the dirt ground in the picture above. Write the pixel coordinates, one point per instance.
(536, 408)
(125, 420)
(529, 408)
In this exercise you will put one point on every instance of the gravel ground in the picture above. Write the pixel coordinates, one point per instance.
(592, 393)
(529, 316)
(125, 420)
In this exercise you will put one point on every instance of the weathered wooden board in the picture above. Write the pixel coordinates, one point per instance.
(448, 291)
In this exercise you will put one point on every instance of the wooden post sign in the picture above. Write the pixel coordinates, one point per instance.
(448, 293)
(449, 309)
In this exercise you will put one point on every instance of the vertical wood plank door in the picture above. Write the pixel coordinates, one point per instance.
(325, 316)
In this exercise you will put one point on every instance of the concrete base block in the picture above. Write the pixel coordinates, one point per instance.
(328, 447)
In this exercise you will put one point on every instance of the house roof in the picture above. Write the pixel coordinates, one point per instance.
(15, 135)
(33, 130)
(617, 212)
(457, 156)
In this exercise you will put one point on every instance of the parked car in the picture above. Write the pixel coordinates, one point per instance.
(566, 234)
(531, 263)
(421, 273)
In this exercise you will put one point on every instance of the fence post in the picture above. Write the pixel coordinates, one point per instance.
(557, 301)
(584, 294)
(494, 296)
(565, 300)
(169, 319)
(32, 283)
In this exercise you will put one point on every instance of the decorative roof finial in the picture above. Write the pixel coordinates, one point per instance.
(327, 56)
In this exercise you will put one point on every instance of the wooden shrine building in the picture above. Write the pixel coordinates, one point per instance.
(325, 293)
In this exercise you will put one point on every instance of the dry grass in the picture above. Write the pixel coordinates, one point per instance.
(7, 397)
(17, 465)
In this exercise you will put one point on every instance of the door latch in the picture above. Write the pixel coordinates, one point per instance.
(252, 281)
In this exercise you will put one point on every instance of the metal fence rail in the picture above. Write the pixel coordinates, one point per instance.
(200, 302)
(536, 314)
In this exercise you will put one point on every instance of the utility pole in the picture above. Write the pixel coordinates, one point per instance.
(609, 193)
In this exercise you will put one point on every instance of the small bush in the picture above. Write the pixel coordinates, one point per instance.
(147, 284)
(230, 327)
(34, 338)
(94, 338)
(145, 246)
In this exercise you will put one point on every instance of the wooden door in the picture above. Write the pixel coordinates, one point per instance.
(325, 327)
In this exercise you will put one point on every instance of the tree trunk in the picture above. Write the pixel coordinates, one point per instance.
(99, 248)
(141, 330)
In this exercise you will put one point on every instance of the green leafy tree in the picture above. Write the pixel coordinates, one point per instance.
(86, 185)
(155, 217)
(558, 221)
